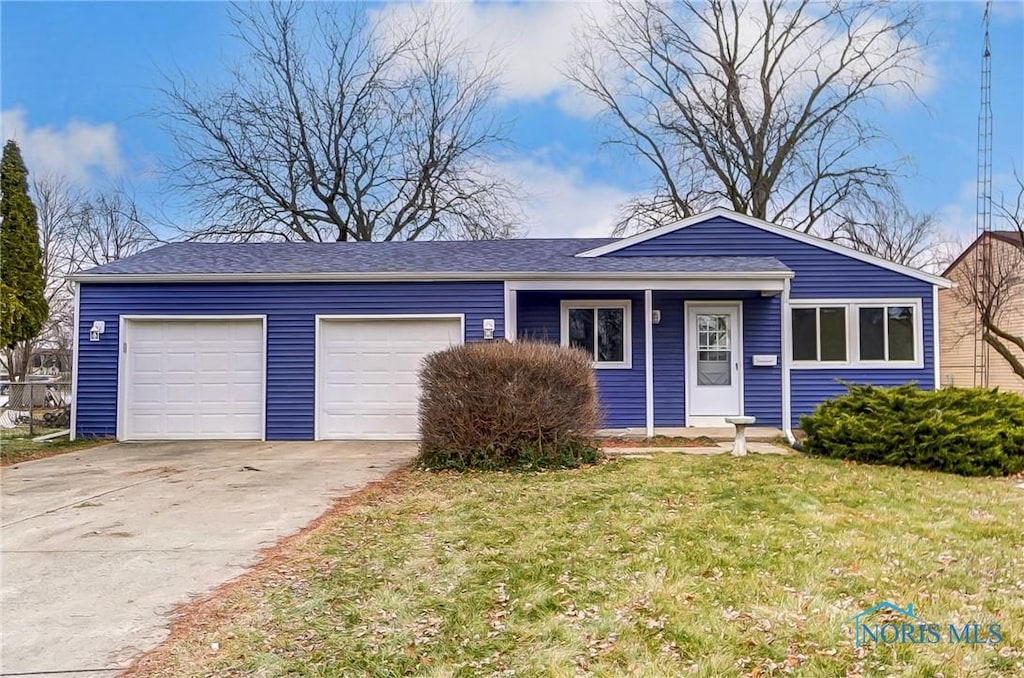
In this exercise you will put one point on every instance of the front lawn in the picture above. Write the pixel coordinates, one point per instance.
(706, 566)
(17, 446)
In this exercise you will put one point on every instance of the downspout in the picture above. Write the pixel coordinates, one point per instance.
(787, 351)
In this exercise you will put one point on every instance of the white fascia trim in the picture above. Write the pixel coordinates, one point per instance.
(853, 334)
(771, 228)
(74, 363)
(627, 327)
(122, 354)
(731, 284)
(936, 339)
(472, 276)
(649, 360)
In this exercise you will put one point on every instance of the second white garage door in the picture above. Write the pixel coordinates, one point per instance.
(368, 374)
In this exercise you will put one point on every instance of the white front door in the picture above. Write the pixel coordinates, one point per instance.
(714, 359)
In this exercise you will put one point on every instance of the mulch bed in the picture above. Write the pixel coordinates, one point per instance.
(657, 441)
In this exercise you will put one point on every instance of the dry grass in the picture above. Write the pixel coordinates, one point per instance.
(670, 566)
(17, 447)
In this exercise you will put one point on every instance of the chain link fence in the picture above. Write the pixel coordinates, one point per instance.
(36, 406)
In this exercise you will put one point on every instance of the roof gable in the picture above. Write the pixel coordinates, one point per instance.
(720, 212)
(1009, 237)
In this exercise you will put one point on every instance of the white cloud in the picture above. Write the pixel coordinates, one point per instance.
(562, 202)
(78, 150)
(531, 42)
(958, 219)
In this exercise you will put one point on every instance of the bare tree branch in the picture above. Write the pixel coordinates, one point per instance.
(885, 227)
(990, 279)
(339, 129)
(765, 107)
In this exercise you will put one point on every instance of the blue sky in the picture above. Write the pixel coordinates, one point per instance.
(80, 89)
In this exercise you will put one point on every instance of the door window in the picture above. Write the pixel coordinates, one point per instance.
(714, 349)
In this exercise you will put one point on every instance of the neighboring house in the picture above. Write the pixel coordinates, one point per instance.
(717, 315)
(960, 342)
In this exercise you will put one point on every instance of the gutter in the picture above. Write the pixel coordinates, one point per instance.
(424, 276)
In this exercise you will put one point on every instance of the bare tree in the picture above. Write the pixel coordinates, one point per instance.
(887, 228)
(990, 281)
(338, 128)
(110, 228)
(57, 207)
(763, 106)
(77, 230)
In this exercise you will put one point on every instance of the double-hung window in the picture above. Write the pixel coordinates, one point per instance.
(601, 328)
(856, 333)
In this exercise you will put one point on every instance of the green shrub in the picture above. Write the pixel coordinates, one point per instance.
(498, 405)
(969, 431)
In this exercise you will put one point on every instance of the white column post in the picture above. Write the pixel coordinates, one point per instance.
(787, 352)
(649, 359)
(511, 306)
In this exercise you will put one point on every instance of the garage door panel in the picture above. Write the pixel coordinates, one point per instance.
(368, 374)
(194, 379)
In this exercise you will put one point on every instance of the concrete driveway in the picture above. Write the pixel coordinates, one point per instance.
(99, 546)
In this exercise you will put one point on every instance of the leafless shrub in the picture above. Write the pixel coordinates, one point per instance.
(501, 405)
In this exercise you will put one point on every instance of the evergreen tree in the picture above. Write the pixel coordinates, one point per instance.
(23, 307)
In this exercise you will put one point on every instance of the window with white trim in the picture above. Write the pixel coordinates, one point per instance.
(860, 333)
(601, 328)
(819, 334)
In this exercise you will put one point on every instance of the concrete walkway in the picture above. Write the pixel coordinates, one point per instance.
(724, 448)
(98, 547)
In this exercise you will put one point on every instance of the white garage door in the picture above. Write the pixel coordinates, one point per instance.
(368, 374)
(193, 379)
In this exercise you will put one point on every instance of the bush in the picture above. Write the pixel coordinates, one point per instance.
(969, 431)
(498, 405)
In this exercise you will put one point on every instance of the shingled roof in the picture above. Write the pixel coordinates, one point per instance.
(490, 258)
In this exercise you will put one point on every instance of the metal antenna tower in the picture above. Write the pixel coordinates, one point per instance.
(983, 222)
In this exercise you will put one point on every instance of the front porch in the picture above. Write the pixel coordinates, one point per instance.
(672, 357)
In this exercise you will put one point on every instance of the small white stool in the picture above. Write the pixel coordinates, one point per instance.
(741, 423)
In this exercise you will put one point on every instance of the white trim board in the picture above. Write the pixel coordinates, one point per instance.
(318, 321)
(787, 351)
(623, 278)
(122, 352)
(511, 313)
(852, 361)
(649, 361)
(936, 339)
(627, 327)
(721, 212)
(74, 362)
(772, 283)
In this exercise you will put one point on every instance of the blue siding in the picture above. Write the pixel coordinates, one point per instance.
(621, 391)
(762, 394)
(290, 309)
(819, 274)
